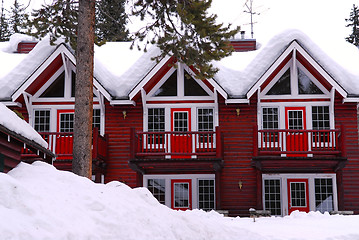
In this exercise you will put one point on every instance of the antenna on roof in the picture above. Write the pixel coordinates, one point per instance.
(249, 5)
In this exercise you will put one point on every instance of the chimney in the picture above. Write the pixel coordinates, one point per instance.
(243, 44)
(25, 47)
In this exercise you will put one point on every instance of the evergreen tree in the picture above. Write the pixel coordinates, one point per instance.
(181, 28)
(354, 24)
(111, 20)
(58, 19)
(4, 26)
(184, 29)
(18, 18)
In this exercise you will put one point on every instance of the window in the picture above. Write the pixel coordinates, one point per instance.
(156, 123)
(205, 123)
(272, 196)
(66, 122)
(73, 83)
(96, 119)
(191, 87)
(158, 188)
(320, 121)
(295, 119)
(181, 194)
(156, 119)
(42, 120)
(206, 194)
(324, 195)
(270, 121)
(56, 89)
(305, 85)
(320, 117)
(169, 88)
(282, 86)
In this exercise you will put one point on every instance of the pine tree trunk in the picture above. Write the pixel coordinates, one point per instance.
(82, 153)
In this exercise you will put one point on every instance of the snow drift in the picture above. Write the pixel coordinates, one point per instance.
(39, 202)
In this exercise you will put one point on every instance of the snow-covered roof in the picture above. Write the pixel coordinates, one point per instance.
(342, 64)
(12, 122)
(119, 69)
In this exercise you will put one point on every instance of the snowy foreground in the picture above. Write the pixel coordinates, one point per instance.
(39, 202)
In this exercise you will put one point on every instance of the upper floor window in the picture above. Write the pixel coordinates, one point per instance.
(320, 117)
(294, 80)
(56, 89)
(270, 118)
(42, 120)
(156, 120)
(180, 82)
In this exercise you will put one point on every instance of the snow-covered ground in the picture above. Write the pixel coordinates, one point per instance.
(39, 202)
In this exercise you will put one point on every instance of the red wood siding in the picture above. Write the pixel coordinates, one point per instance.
(238, 151)
(118, 131)
(11, 151)
(25, 47)
(346, 115)
(243, 45)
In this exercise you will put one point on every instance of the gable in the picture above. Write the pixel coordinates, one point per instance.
(54, 78)
(179, 82)
(306, 77)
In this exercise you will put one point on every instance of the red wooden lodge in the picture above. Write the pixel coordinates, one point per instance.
(279, 133)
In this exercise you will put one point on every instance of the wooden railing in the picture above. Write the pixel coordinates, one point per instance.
(61, 143)
(299, 142)
(192, 144)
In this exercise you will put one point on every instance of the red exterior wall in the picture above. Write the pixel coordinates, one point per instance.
(238, 151)
(346, 115)
(118, 130)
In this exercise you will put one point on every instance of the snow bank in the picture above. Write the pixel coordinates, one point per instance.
(40, 202)
(11, 121)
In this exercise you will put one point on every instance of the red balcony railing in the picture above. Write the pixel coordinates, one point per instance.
(61, 143)
(299, 142)
(192, 144)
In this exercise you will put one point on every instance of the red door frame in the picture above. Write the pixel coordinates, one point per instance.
(297, 180)
(296, 142)
(189, 182)
(64, 144)
(182, 143)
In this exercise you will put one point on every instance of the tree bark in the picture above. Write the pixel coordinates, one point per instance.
(82, 152)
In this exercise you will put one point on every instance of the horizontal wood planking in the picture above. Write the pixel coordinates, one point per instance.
(346, 115)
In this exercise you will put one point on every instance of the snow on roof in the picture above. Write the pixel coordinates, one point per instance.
(23, 69)
(120, 69)
(11, 121)
(342, 63)
(39, 202)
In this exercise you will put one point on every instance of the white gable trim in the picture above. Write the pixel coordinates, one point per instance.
(144, 81)
(294, 46)
(67, 56)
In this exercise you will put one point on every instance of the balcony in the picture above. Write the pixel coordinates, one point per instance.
(61, 143)
(176, 145)
(299, 143)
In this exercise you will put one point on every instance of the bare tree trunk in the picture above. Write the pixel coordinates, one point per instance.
(82, 153)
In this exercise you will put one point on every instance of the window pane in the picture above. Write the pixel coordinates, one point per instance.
(168, 88)
(156, 123)
(205, 123)
(66, 122)
(282, 86)
(272, 196)
(181, 195)
(158, 188)
(96, 119)
(42, 120)
(56, 89)
(270, 121)
(191, 87)
(306, 86)
(324, 195)
(206, 193)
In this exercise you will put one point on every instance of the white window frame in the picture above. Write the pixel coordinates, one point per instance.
(293, 64)
(194, 187)
(311, 185)
(53, 115)
(180, 86)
